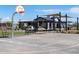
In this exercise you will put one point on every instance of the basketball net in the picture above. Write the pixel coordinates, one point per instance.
(22, 14)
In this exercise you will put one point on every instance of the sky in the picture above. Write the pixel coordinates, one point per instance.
(31, 11)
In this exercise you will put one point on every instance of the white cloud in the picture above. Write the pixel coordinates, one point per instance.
(74, 10)
(71, 10)
(48, 10)
(6, 19)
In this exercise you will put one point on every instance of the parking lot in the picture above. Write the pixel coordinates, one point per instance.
(41, 43)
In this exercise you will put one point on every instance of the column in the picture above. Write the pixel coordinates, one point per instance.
(54, 27)
(51, 25)
(38, 25)
(48, 26)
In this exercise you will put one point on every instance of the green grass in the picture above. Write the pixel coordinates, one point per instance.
(15, 33)
(0, 33)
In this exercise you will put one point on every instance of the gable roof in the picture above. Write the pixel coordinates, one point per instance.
(43, 19)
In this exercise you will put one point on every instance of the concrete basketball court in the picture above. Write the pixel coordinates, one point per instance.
(41, 43)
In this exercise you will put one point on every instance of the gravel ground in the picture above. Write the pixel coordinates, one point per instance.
(41, 43)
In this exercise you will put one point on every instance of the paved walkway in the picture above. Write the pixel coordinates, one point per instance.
(45, 43)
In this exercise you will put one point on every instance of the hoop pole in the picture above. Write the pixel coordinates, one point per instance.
(13, 24)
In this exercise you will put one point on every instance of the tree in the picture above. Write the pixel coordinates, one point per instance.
(8, 24)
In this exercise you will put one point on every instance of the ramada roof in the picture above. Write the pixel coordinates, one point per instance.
(57, 15)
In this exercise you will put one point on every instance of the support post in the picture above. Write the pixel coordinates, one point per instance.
(60, 21)
(51, 26)
(37, 25)
(77, 23)
(66, 22)
(53, 23)
(48, 25)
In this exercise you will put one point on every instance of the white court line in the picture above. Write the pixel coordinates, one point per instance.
(7, 41)
(64, 48)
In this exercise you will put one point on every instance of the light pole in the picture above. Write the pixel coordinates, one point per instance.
(20, 10)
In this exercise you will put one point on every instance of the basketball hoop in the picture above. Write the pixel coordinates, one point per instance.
(20, 10)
